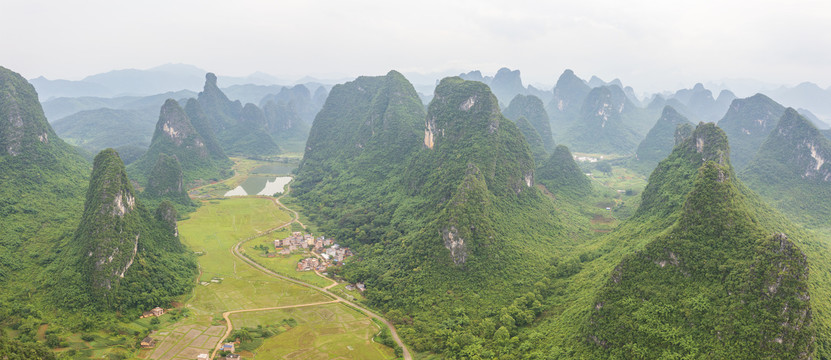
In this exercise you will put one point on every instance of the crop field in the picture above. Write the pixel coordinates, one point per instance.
(332, 331)
(226, 283)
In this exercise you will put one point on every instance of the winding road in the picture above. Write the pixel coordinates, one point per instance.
(337, 299)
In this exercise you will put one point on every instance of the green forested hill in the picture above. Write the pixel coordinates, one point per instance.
(561, 175)
(166, 181)
(453, 234)
(660, 140)
(584, 312)
(95, 130)
(531, 108)
(717, 284)
(564, 108)
(602, 125)
(121, 257)
(791, 170)
(41, 195)
(239, 131)
(748, 123)
(176, 136)
(532, 137)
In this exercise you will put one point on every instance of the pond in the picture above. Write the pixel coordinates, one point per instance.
(260, 185)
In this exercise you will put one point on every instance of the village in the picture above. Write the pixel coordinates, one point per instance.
(326, 252)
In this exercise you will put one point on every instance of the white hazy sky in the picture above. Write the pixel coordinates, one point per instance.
(650, 45)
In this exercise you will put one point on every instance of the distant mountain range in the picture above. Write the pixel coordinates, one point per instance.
(135, 82)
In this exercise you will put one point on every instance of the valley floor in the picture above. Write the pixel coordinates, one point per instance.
(234, 289)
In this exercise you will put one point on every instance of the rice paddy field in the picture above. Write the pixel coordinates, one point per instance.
(226, 283)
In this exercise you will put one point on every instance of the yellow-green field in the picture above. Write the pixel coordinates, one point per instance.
(227, 283)
(213, 230)
(331, 331)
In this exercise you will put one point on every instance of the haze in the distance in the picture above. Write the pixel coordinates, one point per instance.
(650, 45)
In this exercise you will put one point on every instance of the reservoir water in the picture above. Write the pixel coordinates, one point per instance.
(261, 185)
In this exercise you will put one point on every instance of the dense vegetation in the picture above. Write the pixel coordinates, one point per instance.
(792, 170)
(747, 124)
(531, 108)
(95, 130)
(564, 108)
(717, 284)
(176, 136)
(166, 181)
(45, 266)
(40, 199)
(532, 137)
(122, 256)
(602, 126)
(561, 175)
(441, 241)
(239, 131)
(660, 140)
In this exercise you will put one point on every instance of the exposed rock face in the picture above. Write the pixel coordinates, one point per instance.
(110, 228)
(23, 127)
(564, 107)
(792, 169)
(194, 157)
(810, 152)
(600, 127)
(464, 115)
(121, 248)
(456, 245)
(166, 214)
(747, 124)
(175, 125)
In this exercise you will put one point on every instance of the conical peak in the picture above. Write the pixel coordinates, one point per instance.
(210, 80)
(709, 143)
(110, 191)
(22, 123)
(791, 119)
(714, 206)
(466, 96)
(669, 114)
(568, 78)
(174, 123)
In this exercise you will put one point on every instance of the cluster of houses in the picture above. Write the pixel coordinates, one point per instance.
(298, 241)
(327, 252)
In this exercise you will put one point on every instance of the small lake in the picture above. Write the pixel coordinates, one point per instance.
(260, 185)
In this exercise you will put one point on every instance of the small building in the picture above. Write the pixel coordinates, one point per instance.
(202, 357)
(157, 311)
(228, 347)
(360, 287)
(148, 342)
(232, 357)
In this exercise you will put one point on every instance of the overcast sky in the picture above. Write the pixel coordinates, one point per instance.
(650, 45)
